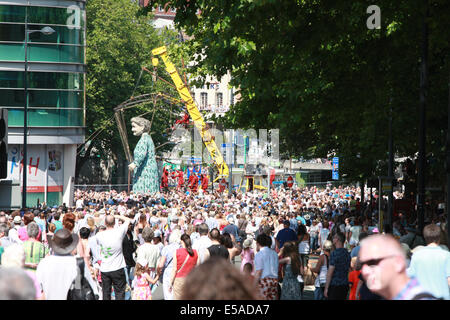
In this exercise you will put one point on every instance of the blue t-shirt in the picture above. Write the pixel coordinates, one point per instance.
(340, 259)
(284, 235)
(294, 224)
(58, 225)
(355, 252)
(431, 267)
(302, 220)
(232, 230)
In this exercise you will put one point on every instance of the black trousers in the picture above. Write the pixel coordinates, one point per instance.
(337, 292)
(114, 279)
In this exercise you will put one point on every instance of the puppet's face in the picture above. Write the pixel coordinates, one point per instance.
(137, 129)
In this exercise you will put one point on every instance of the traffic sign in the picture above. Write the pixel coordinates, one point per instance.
(290, 181)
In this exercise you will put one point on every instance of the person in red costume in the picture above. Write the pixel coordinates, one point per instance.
(222, 185)
(180, 176)
(204, 181)
(184, 120)
(193, 182)
(165, 180)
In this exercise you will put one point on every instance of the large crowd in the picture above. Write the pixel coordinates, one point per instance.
(218, 245)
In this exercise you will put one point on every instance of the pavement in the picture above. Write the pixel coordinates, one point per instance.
(308, 293)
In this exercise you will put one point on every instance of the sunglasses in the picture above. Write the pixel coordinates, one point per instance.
(375, 262)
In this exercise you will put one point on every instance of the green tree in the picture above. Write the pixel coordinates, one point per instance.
(314, 70)
(119, 43)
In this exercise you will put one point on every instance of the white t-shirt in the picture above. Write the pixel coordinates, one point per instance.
(201, 245)
(110, 243)
(355, 230)
(267, 261)
(55, 275)
(150, 252)
(79, 203)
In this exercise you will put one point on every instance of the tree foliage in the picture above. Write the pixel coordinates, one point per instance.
(314, 70)
(119, 43)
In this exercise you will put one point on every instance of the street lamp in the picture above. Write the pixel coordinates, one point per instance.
(45, 31)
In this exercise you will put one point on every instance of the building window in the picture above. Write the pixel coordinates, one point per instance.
(204, 100)
(219, 99)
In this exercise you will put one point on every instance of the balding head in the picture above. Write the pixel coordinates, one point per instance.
(381, 245)
(110, 221)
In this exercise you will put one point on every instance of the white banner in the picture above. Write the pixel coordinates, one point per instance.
(40, 159)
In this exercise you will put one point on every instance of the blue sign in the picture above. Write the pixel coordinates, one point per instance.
(335, 169)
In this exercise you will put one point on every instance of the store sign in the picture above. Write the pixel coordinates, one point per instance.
(335, 169)
(44, 165)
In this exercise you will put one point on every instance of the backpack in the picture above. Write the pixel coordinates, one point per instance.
(80, 288)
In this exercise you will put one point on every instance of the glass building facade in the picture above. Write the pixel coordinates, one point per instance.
(56, 77)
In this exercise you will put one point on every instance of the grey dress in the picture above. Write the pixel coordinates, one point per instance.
(290, 288)
(145, 178)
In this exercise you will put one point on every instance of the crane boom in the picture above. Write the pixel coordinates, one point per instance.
(193, 110)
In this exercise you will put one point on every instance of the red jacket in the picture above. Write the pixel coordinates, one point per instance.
(193, 182)
(204, 181)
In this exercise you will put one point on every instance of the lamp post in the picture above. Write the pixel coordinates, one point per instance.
(422, 124)
(390, 209)
(45, 31)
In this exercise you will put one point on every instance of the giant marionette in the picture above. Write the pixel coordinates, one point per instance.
(145, 180)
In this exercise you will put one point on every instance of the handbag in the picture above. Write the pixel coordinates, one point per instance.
(80, 288)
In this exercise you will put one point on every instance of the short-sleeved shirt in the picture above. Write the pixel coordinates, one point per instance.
(110, 242)
(284, 235)
(168, 252)
(232, 230)
(58, 225)
(431, 267)
(266, 260)
(340, 259)
(201, 245)
(150, 252)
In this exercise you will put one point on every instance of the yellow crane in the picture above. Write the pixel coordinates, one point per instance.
(193, 111)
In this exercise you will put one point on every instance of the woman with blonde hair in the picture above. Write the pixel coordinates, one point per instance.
(321, 269)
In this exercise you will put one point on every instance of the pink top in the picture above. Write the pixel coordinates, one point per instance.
(247, 256)
(23, 235)
(141, 281)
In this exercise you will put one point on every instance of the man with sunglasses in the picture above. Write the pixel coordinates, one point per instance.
(384, 266)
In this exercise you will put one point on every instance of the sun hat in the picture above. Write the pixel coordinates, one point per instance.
(63, 241)
(247, 243)
(17, 219)
(156, 234)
